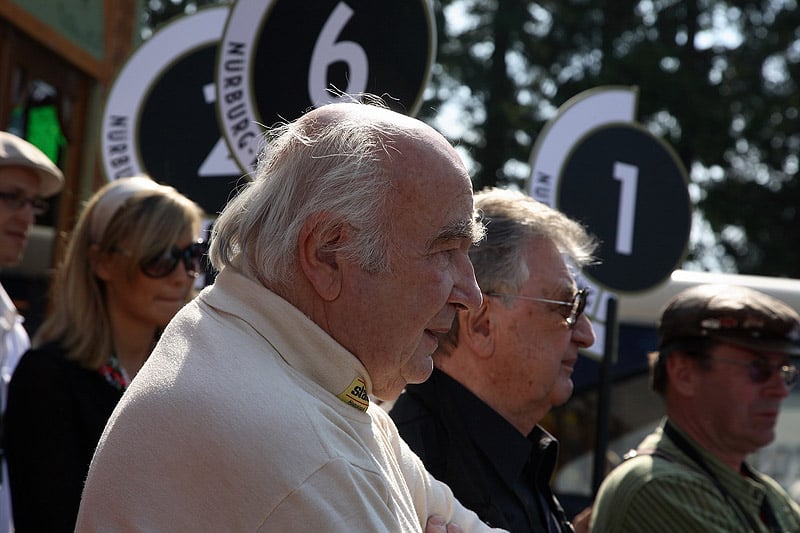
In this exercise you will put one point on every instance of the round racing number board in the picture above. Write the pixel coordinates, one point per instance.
(630, 189)
(160, 118)
(281, 57)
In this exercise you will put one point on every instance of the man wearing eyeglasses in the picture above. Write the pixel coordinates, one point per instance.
(504, 365)
(727, 358)
(27, 176)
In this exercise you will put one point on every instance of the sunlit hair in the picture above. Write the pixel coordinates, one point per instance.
(149, 221)
(512, 219)
(339, 165)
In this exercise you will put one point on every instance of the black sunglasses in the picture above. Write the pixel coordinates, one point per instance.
(167, 261)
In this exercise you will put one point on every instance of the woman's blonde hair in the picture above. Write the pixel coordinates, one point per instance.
(149, 218)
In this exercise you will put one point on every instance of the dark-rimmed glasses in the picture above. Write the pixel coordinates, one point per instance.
(165, 263)
(760, 370)
(576, 305)
(16, 201)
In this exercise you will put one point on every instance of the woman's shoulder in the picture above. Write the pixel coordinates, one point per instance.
(49, 357)
(52, 350)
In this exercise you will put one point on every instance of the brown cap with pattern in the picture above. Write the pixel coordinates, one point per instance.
(736, 315)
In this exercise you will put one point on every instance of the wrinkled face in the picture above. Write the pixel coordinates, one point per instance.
(738, 415)
(396, 314)
(136, 301)
(16, 223)
(535, 350)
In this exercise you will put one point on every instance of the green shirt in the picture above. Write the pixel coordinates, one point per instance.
(652, 493)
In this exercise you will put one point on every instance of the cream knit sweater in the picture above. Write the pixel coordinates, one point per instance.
(235, 423)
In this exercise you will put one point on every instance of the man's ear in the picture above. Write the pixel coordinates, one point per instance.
(477, 327)
(319, 260)
(682, 370)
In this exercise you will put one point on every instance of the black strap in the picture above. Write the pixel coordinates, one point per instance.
(767, 514)
(695, 456)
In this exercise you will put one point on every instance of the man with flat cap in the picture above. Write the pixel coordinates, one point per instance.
(727, 358)
(27, 177)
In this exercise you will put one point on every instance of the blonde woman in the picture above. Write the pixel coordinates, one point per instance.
(129, 267)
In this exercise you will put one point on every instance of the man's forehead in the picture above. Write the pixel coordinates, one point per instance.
(20, 178)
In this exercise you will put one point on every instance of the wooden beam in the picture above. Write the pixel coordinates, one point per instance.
(120, 23)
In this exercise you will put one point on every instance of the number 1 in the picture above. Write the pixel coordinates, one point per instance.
(627, 176)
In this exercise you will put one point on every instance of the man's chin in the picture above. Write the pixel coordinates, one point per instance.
(416, 370)
(10, 258)
(561, 394)
(420, 371)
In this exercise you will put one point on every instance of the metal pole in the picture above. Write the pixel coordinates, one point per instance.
(604, 396)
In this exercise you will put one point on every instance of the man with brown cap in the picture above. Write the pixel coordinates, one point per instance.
(27, 177)
(727, 359)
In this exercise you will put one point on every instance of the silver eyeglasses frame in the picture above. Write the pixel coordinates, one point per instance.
(576, 305)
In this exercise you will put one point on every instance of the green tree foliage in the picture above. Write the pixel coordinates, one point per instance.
(716, 80)
(158, 12)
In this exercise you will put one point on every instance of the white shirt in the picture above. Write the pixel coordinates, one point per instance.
(14, 342)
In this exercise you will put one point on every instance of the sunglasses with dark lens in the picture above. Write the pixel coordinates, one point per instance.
(760, 370)
(166, 262)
